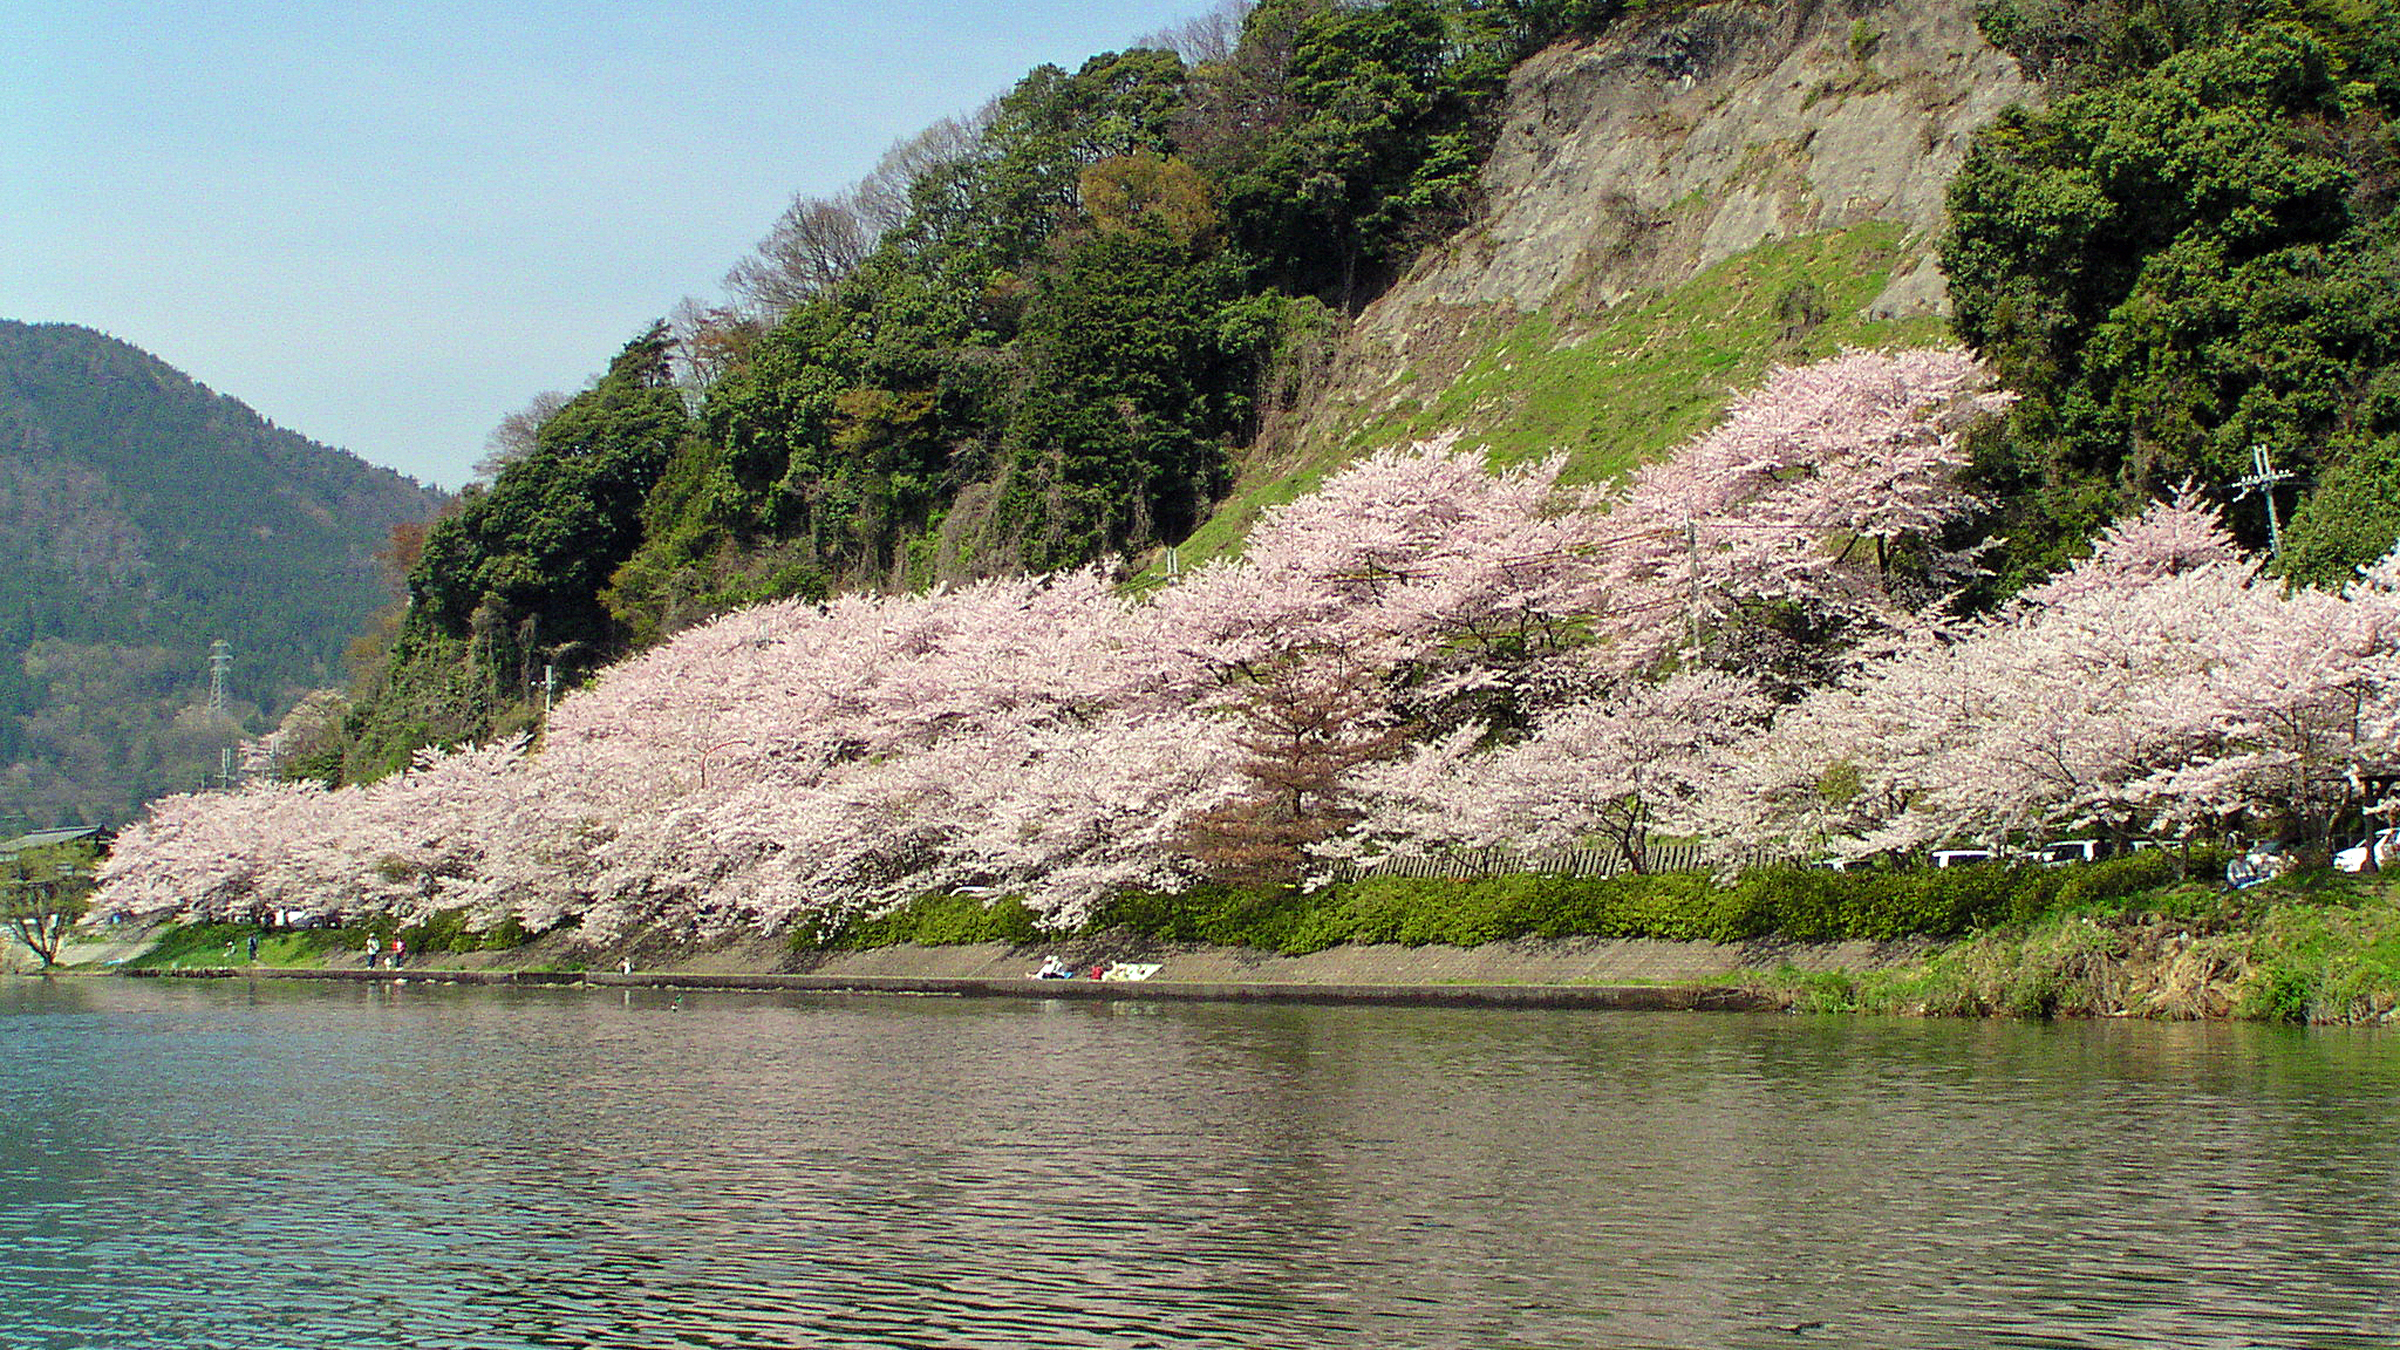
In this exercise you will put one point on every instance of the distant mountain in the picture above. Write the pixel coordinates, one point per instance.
(142, 517)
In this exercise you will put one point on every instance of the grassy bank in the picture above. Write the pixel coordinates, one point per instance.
(210, 945)
(205, 945)
(1610, 391)
(2319, 947)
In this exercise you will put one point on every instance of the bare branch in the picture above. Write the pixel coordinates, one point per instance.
(1205, 38)
(513, 439)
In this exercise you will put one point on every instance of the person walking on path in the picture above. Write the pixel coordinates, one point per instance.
(254, 949)
(399, 949)
(371, 951)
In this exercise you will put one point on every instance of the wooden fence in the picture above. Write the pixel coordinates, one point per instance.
(1465, 864)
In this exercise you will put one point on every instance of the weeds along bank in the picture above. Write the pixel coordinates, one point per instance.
(2318, 948)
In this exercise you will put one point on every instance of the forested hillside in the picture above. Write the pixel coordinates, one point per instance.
(2192, 253)
(1135, 304)
(142, 517)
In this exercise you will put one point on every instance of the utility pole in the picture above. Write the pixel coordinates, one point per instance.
(220, 659)
(2263, 480)
(549, 688)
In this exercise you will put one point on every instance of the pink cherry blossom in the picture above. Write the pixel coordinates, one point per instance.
(1055, 737)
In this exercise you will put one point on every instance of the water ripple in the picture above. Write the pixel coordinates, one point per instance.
(279, 1166)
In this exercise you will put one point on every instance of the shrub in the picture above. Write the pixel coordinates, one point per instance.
(935, 919)
(1797, 903)
(447, 931)
(1815, 906)
(2116, 878)
(1226, 916)
(442, 931)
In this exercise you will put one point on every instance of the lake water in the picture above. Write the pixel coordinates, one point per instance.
(284, 1165)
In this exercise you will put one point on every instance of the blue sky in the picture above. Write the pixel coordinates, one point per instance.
(386, 226)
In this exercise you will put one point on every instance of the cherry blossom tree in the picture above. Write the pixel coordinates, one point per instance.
(1055, 738)
(1815, 509)
(1421, 563)
(2162, 684)
(1614, 767)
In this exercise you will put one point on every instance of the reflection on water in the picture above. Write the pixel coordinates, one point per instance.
(215, 1164)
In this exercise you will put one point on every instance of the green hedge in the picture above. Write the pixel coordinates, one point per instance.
(1812, 906)
(934, 920)
(446, 931)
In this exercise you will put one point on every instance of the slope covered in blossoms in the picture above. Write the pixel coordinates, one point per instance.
(1748, 640)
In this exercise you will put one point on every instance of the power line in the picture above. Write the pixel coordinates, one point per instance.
(2263, 480)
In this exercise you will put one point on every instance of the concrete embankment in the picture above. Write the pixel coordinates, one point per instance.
(1579, 973)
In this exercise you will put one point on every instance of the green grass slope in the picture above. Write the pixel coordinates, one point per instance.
(1610, 389)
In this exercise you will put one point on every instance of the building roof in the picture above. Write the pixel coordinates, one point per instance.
(44, 838)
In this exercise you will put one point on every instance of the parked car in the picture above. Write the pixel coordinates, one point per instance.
(1960, 857)
(2383, 846)
(2067, 851)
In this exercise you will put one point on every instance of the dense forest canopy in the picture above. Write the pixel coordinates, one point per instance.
(2192, 253)
(1047, 356)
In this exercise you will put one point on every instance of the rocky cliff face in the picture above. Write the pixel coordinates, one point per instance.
(1669, 210)
(1640, 161)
